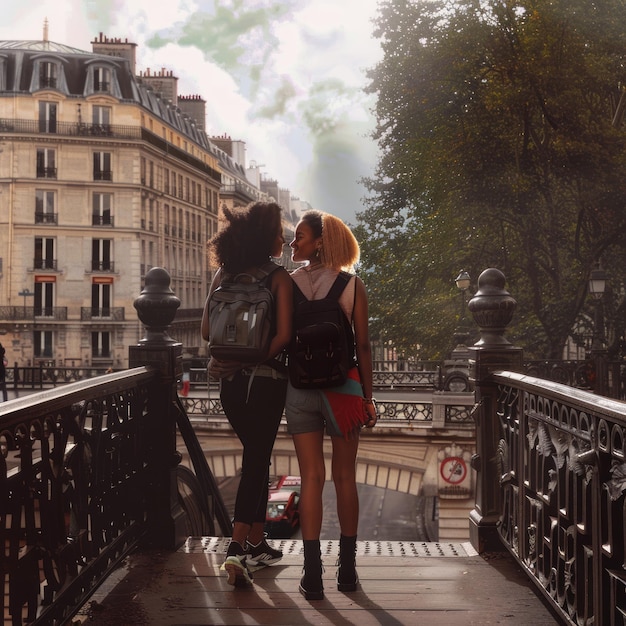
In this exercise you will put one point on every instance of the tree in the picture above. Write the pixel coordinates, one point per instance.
(502, 145)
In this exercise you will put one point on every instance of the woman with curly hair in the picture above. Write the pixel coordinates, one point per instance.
(327, 246)
(252, 395)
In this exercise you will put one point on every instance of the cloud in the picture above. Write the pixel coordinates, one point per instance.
(285, 76)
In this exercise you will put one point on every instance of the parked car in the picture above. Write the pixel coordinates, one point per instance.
(285, 483)
(282, 516)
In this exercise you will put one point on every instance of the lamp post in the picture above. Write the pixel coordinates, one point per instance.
(25, 293)
(461, 334)
(463, 282)
(597, 285)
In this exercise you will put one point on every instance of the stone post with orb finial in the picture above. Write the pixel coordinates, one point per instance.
(156, 308)
(492, 308)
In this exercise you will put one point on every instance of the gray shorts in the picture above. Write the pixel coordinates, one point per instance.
(306, 412)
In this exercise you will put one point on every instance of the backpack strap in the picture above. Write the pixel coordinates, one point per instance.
(259, 274)
(263, 272)
(334, 293)
(298, 296)
(341, 282)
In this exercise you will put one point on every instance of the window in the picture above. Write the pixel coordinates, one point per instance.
(102, 79)
(102, 166)
(100, 345)
(44, 253)
(43, 343)
(44, 207)
(101, 119)
(47, 117)
(44, 299)
(100, 300)
(46, 163)
(101, 209)
(101, 255)
(47, 75)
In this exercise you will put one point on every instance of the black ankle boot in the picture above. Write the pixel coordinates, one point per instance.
(311, 586)
(347, 577)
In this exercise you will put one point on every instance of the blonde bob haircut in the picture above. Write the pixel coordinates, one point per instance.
(340, 249)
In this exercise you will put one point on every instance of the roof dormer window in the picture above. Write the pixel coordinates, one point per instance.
(48, 75)
(102, 79)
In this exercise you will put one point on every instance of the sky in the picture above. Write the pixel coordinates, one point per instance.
(284, 76)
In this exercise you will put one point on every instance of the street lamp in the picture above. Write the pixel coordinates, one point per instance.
(461, 335)
(463, 282)
(25, 293)
(597, 285)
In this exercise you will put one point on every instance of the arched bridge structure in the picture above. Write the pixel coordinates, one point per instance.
(422, 445)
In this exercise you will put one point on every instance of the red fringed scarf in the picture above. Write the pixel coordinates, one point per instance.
(345, 404)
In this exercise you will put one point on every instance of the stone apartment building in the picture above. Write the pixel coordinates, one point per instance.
(100, 180)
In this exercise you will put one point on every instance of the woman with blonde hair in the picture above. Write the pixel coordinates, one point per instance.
(326, 246)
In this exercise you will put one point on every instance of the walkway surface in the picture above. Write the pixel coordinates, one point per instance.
(402, 584)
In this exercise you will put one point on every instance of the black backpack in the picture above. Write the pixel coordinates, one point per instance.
(322, 349)
(242, 317)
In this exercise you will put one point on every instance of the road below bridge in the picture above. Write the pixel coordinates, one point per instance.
(385, 515)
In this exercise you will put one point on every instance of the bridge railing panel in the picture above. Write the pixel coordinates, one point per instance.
(73, 490)
(90, 470)
(562, 474)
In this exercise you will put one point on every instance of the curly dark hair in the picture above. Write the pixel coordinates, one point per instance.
(247, 238)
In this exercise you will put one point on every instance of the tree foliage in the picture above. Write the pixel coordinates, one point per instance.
(500, 128)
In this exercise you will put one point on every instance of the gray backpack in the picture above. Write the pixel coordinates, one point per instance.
(242, 317)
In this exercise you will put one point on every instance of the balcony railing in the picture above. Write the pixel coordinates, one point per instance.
(47, 81)
(45, 218)
(44, 264)
(57, 313)
(45, 172)
(107, 313)
(101, 220)
(102, 266)
(244, 191)
(28, 313)
(78, 129)
(103, 175)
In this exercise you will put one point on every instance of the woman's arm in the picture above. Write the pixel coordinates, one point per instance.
(282, 288)
(360, 319)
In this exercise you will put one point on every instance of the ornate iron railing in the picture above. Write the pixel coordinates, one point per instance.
(445, 411)
(73, 489)
(87, 470)
(424, 379)
(550, 473)
(48, 376)
(112, 313)
(562, 459)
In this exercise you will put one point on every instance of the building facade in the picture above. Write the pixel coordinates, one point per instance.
(101, 179)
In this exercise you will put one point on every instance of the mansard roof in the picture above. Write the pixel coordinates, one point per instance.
(20, 62)
(40, 46)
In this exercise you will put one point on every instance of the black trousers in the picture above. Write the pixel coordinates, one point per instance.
(254, 413)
